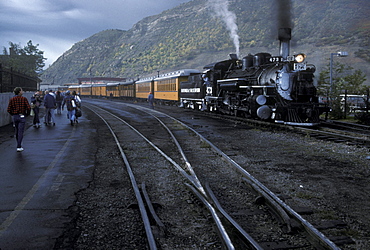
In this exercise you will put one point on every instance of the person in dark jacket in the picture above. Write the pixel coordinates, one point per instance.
(36, 101)
(50, 105)
(70, 103)
(59, 99)
(151, 100)
(19, 108)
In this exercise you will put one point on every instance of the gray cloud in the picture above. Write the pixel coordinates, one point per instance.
(56, 25)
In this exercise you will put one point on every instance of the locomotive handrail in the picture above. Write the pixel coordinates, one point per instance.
(232, 79)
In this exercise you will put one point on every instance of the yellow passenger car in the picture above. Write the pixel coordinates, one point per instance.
(99, 90)
(113, 88)
(85, 90)
(127, 89)
(167, 86)
(143, 87)
(74, 88)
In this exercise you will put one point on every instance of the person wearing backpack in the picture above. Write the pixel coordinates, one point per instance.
(36, 101)
(77, 98)
(70, 103)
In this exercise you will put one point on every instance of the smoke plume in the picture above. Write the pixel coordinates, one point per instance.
(221, 8)
(284, 13)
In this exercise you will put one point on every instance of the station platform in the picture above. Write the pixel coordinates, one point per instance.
(38, 185)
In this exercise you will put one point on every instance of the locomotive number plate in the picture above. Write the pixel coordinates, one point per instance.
(300, 66)
(275, 59)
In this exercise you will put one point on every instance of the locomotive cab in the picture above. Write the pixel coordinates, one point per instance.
(192, 92)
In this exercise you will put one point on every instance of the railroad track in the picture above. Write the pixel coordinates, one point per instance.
(356, 129)
(341, 132)
(209, 180)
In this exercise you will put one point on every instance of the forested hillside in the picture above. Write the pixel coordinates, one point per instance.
(191, 35)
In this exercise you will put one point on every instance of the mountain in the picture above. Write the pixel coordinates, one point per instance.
(192, 35)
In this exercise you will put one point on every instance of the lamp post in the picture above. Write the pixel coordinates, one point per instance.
(340, 54)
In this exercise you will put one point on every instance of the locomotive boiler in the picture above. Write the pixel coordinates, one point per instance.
(277, 88)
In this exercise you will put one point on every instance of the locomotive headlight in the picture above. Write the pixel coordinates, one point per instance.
(299, 58)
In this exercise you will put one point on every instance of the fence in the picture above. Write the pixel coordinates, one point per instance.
(9, 79)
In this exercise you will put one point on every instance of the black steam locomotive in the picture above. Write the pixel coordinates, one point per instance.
(277, 88)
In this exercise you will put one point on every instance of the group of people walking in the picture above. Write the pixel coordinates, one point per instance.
(19, 108)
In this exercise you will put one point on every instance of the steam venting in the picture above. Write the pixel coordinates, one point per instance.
(221, 8)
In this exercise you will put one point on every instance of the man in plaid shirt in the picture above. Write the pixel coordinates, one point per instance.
(19, 108)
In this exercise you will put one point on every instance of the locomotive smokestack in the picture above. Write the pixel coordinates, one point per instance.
(285, 34)
(284, 22)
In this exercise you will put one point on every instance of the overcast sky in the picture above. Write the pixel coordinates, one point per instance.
(58, 24)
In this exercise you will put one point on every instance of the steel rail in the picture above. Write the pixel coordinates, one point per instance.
(357, 129)
(333, 135)
(187, 163)
(322, 240)
(347, 124)
(220, 227)
(191, 178)
(252, 243)
(210, 198)
(151, 208)
(144, 215)
(271, 203)
(207, 200)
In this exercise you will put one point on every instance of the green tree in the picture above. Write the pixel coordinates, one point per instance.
(355, 83)
(29, 59)
(344, 79)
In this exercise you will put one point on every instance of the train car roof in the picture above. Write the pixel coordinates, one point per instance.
(127, 83)
(177, 73)
(109, 84)
(80, 86)
(99, 85)
(113, 84)
(56, 86)
(147, 79)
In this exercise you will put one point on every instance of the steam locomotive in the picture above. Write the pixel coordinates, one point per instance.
(277, 88)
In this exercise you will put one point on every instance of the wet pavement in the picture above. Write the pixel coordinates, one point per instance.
(39, 184)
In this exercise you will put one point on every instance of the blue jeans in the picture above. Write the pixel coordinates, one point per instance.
(59, 108)
(49, 116)
(71, 114)
(36, 119)
(19, 124)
